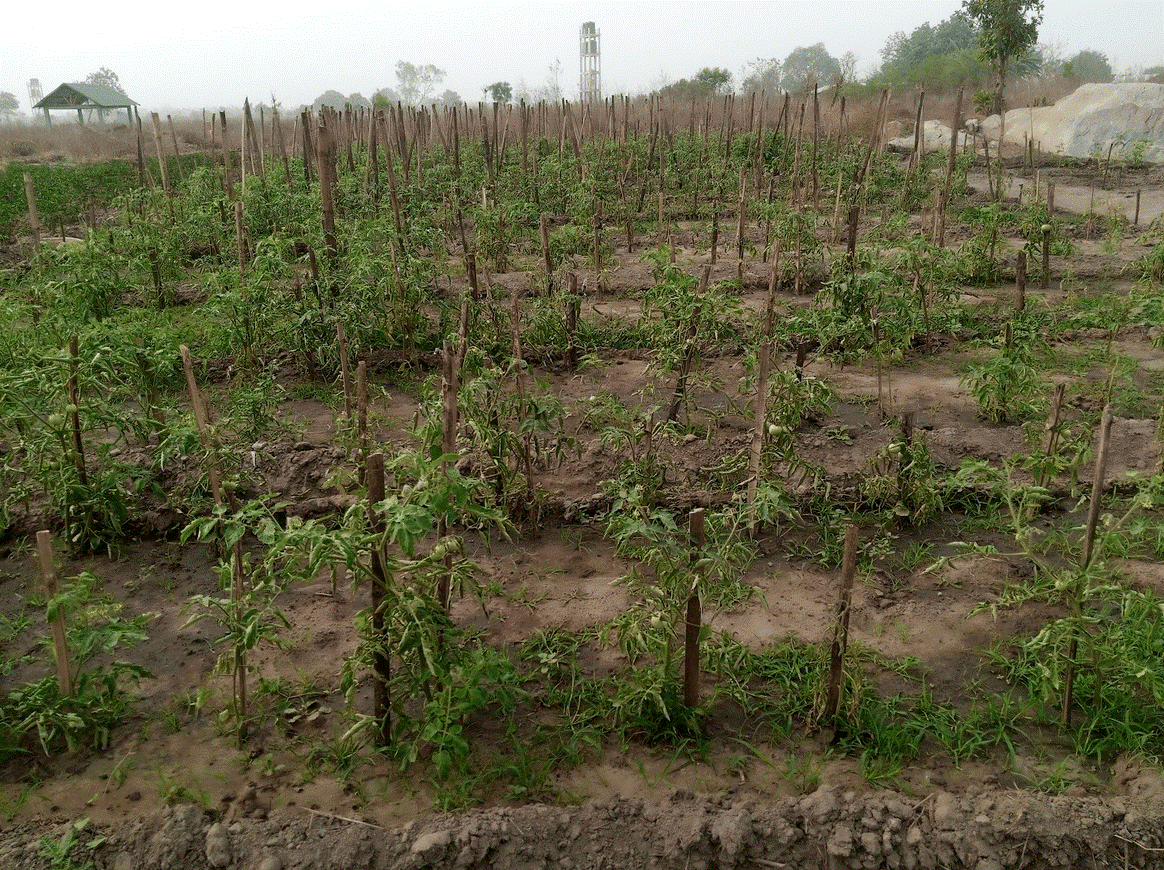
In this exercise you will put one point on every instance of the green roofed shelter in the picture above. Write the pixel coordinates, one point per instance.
(82, 96)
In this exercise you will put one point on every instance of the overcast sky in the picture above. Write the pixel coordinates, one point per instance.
(211, 53)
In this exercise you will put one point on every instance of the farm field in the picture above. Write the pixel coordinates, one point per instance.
(689, 355)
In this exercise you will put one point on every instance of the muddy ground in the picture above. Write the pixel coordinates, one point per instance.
(173, 791)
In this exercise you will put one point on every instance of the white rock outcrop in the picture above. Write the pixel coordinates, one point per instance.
(1090, 120)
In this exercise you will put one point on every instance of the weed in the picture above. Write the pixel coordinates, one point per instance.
(61, 852)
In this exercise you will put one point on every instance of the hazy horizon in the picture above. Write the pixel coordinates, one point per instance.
(176, 60)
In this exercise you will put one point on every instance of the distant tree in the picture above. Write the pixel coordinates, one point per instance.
(714, 79)
(761, 74)
(954, 34)
(331, 99)
(501, 92)
(848, 67)
(1153, 74)
(105, 76)
(9, 105)
(359, 101)
(1089, 66)
(1008, 29)
(385, 97)
(809, 65)
(449, 98)
(706, 82)
(416, 83)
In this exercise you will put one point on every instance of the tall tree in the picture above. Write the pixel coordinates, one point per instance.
(331, 98)
(716, 80)
(502, 92)
(1089, 66)
(956, 33)
(761, 74)
(1007, 29)
(416, 83)
(809, 65)
(105, 76)
(385, 97)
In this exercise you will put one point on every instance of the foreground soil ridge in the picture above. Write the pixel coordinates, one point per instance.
(833, 828)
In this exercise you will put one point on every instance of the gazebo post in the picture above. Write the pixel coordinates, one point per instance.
(80, 117)
(48, 119)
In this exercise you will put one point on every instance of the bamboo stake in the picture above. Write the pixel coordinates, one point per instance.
(324, 151)
(950, 169)
(1076, 602)
(48, 574)
(519, 384)
(33, 216)
(1020, 282)
(342, 339)
(761, 401)
(277, 127)
(221, 497)
(689, 352)
(161, 157)
(742, 222)
(381, 664)
(362, 414)
(75, 412)
(544, 230)
(177, 153)
(572, 304)
(448, 446)
(240, 238)
(1046, 255)
(694, 621)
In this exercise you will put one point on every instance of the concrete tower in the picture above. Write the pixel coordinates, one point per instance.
(590, 63)
(34, 92)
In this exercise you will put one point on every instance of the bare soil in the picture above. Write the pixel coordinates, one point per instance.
(173, 791)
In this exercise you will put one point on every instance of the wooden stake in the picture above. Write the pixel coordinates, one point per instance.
(950, 169)
(544, 230)
(572, 304)
(34, 217)
(341, 338)
(240, 238)
(840, 640)
(177, 153)
(1046, 256)
(1088, 553)
(161, 157)
(1020, 282)
(48, 574)
(75, 414)
(689, 352)
(694, 621)
(449, 386)
(1051, 432)
(381, 664)
(324, 154)
(760, 404)
(743, 217)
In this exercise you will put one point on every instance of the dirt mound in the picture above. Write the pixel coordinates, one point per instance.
(828, 828)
